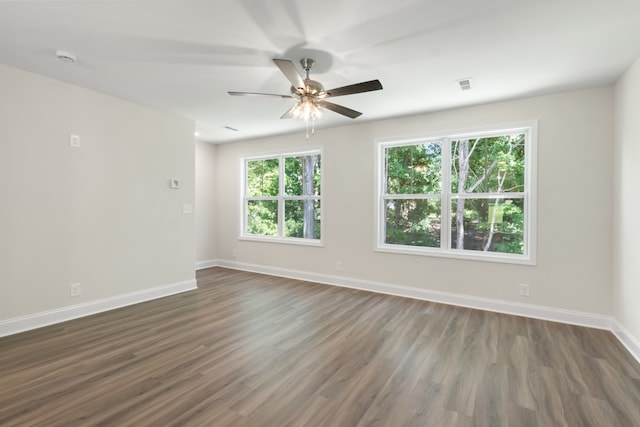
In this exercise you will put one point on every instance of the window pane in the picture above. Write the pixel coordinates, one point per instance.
(262, 218)
(302, 219)
(302, 175)
(414, 169)
(491, 225)
(488, 165)
(413, 222)
(262, 178)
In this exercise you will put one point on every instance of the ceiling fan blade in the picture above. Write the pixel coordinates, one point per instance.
(258, 94)
(340, 109)
(290, 72)
(286, 114)
(355, 88)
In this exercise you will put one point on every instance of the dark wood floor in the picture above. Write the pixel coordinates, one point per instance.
(253, 350)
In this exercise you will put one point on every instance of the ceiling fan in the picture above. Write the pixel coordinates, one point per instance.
(311, 95)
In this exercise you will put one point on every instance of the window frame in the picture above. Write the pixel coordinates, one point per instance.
(281, 198)
(529, 195)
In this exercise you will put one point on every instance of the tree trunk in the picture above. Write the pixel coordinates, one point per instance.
(463, 173)
(400, 204)
(308, 167)
(501, 179)
(492, 225)
(495, 210)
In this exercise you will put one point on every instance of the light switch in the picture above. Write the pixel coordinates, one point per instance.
(74, 141)
(187, 209)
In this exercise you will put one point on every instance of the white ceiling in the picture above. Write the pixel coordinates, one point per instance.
(183, 56)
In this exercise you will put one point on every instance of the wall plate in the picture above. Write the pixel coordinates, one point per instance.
(74, 141)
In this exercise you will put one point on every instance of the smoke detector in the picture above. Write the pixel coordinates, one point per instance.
(65, 56)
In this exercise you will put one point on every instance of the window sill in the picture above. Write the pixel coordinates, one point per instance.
(456, 254)
(286, 241)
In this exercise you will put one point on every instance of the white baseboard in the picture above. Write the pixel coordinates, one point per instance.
(527, 310)
(201, 265)
(500, 306)
(628, 340)
(21, 324)
(46, 318)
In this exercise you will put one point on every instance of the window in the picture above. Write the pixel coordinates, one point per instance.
(467, 195)
(282, 197)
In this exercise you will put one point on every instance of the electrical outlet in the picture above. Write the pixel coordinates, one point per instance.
(75, 289)
(524, 289)
(339, 265)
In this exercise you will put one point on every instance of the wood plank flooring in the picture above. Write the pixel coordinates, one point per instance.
(253, 350)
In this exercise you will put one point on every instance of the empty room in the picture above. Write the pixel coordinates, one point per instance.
(290, 213)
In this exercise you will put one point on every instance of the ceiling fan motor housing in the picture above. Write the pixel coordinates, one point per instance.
(311, 87)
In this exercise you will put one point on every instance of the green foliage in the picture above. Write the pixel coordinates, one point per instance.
(262, 217)
(489, 165)
(413, 222)
(263, 178)
(483, 165)
(294, 218)
(496, 164)
(414, 169)
(301, 178)
(508, 225)
(294, 176)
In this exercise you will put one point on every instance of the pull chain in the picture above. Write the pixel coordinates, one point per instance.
(313, 127)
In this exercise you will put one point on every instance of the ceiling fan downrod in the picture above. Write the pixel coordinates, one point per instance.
(307, 65)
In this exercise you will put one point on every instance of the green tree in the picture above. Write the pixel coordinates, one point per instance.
(488, 165)
(301, 205)
(263, 180)
(486, 193)
(413, 169)
(302, 178)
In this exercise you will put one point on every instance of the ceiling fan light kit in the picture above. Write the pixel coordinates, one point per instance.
(311, 95)
(306, 109)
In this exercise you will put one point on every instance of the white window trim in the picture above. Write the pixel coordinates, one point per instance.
(530, 194)
(243, 235)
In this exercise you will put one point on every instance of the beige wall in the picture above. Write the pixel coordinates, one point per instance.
(626, 255)
(206, 202)
(574, 266)
(102, 215)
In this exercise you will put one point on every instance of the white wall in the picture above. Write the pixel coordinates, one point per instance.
(205, 204)
(102, 215)
(574, 266)
(626, 255)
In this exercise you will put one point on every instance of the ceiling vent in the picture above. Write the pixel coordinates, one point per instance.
(464, 84)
